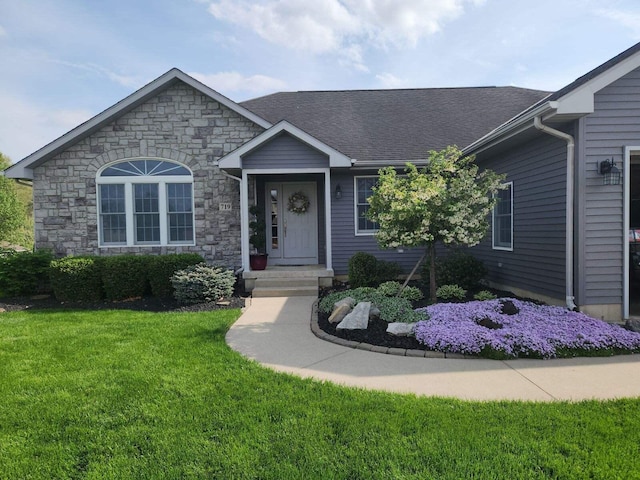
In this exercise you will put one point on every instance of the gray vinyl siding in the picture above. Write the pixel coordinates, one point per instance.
(344, 240)
(613, 126)
(284, 151)
(537, 262)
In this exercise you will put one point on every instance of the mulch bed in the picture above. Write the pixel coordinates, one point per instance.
(375, 334)
(146, 304)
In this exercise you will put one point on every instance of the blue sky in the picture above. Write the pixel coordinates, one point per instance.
(67, 60)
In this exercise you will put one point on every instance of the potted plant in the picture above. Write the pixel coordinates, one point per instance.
(258, 238)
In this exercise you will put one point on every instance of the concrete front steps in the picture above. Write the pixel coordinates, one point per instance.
(283, 281)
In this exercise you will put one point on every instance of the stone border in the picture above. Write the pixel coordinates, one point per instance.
(401, 352)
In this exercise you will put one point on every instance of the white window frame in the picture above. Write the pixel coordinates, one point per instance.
(494, 233)
(128, 182)
(357, 231)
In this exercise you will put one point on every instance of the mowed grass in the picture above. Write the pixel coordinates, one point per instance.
(121, 394)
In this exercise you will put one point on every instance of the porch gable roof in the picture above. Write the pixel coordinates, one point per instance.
(233, 160)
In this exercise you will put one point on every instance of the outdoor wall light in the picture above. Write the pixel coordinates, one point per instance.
(338, 192)
(610, 173)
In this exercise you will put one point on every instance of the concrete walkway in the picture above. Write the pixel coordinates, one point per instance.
(276, 333)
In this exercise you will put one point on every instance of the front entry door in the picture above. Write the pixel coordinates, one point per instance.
(292, 235)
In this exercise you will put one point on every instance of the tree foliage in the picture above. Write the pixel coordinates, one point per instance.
(448, 201)
(12, 212)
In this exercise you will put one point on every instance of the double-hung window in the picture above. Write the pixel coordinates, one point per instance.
(145, 202)
(503, 219)
(363, 190)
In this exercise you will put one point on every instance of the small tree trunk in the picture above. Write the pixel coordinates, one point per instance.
(406, 282)
(432, 271)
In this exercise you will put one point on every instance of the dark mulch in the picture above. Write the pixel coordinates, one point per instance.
(376, 334)
(147, 304)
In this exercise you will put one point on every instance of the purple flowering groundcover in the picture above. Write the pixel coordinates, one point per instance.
(538, 331)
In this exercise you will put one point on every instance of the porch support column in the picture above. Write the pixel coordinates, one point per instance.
(327, 218)
(244, 221)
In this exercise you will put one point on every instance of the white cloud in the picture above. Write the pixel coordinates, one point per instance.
(124, 80)
(225, 82)
(26, 127)
(3, 32)
(351, 56)
(323, 26)
(630, 20)
(388, 80)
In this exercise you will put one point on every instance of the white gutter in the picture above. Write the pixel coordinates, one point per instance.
(537, 122)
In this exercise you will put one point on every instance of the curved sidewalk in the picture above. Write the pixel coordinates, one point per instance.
(276, 333)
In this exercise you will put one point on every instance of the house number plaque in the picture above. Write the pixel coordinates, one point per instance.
(225, 207)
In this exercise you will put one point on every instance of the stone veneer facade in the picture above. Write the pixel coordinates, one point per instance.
(179, 124)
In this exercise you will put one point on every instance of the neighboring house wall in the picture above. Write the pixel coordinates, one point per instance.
(537, 262)
(180, 124)
(613, 125)
(344, 240)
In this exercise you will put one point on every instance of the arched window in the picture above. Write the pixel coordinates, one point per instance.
(145, 202)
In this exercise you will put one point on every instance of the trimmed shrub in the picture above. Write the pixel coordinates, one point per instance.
(451, 292)
(162, 267)
(24, 273)
(125, 276)
(362, 270)
(459, 268)
(202, 283)
(386, 271)
(76, 279)
(484, 295)
(365, 270)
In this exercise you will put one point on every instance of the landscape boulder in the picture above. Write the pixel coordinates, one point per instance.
(400, 329)
(339, 313)
(345, 301)
(358, 319)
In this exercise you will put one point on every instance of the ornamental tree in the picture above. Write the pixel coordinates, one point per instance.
(447, 201)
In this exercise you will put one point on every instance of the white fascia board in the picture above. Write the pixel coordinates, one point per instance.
(23, 169)
(234, 159)
(580, 100)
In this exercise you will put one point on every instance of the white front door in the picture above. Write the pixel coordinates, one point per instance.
(292, 236)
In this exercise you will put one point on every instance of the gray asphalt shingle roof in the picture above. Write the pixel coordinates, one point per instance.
(394, 126)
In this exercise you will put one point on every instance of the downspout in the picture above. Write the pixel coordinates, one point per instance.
(537, 123)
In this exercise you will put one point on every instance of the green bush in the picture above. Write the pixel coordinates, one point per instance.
(24, 273)
(365, 270)
(484, 295)
(125, 276)
(162, 267)
(458, 268)
(362, 270)
(396, 309)
(389, 289)
(413, 294)
(451, 292)
(76, 279)
(202, 283)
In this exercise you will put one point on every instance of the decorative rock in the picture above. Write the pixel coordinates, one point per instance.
(2, 310)
(508, 308)
(400, 329)
(345, 301)
(633, 324)
(339, 313)
(358, 319)
(488, 323)
(374, 313)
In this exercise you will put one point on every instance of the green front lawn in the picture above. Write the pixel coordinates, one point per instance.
(121, 394)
